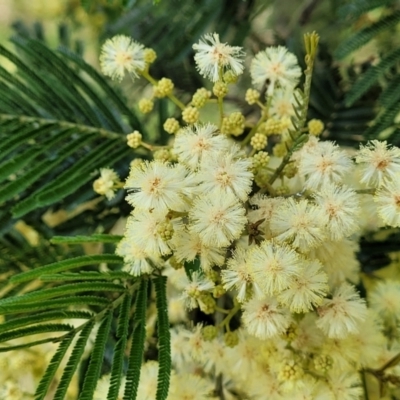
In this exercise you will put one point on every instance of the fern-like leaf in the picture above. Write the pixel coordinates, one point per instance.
(119, 356)
(164, 338)
(138, 341)
(96, 359)
(95, 238)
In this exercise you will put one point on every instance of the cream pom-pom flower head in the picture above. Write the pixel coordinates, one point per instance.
(277, 66)
(120, 54)
(213, 57)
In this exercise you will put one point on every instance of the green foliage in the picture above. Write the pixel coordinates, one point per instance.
(60, 121)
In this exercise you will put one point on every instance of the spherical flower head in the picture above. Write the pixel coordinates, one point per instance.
(163, 88)
(315, 127)
(222, 173)
(159, 186)
(171, 125)
(273, 266)
(342, 314)
(148, 381)
(300, 223)
(146, 105)
(264, 318)
(384, 299)
(252, 96)
(120, 54)
(379, 162)
(324, 163)
(190, 115)
(194, 143)
(307, 288)
(258, 141)
(107, 184)
(213, 57)
(277, 66)
(187, 386)
(342, 207)
(217, 220)
(134, 139)
(238, 276)
(345, 385)
(387, 199)
(188, 245)
(282, 103)
(200, 98)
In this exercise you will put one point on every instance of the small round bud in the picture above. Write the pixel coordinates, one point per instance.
(225, 126)
(290, 170)
(291, 333)
(174, 263)
(200, 98)
(163, 88)
(146, 105)
(261, 178)
(230, 77)
(218, 291)
(207, 303)
(149, 56)
(322, 363)
(165, 230)
(136, 162)
(290, 371)
(212, 275)
(231, 339)
(134, 139)
(171, 125)
(237, 121)
(258, 141)
(220, 89)
(272, 127)
(282, 190)
(252, 96)
(315, 127)
(190, 115)
(279, 150)
(209, 333)
(260, 159)
(163, 155)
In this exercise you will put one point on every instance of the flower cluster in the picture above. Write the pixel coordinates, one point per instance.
(268, 217)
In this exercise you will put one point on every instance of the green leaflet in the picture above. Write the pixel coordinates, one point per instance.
(95, 238)
(164, 338)
(96, 359)
(65, 265)
(138, 340)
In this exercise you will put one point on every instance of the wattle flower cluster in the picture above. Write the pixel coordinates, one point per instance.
(262, 223)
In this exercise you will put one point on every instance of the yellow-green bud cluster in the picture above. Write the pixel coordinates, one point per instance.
(252, 96)
(165, 230)
(209, 333)
(322, 363)
(218, 291)
(279, 149)
(290, 371)
(282, 190)
(171, 125)
(190, 115)
(231, 339)
(136, 162)
(291, 333)
(230, 77)
(207, 303)
(220, 89)
(315, 127)
(134, 139)
(149, 56)
(200, 98)
(261, 178)
(212, 275)
(233, 124)
(272, 127)
(260, 159)
(163, 88)
(258, 141)
(146, 105)
(290, 170)
(163, 155)
(174, 263)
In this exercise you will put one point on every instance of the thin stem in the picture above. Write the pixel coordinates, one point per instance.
(230, 315)
(64, 124)
(221, 110)
(366, 191)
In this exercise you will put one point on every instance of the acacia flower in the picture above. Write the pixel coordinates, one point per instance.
(121, 53)
(387, 199)
(223, 173)
(277, 66)
(273, 266)
(193, 143)
(107, 183)
(213, 57)
(264, 318)
(238, 275)
(343, 313)
(301, 223)
(217, 220)
(379, 162)
(160, 186)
